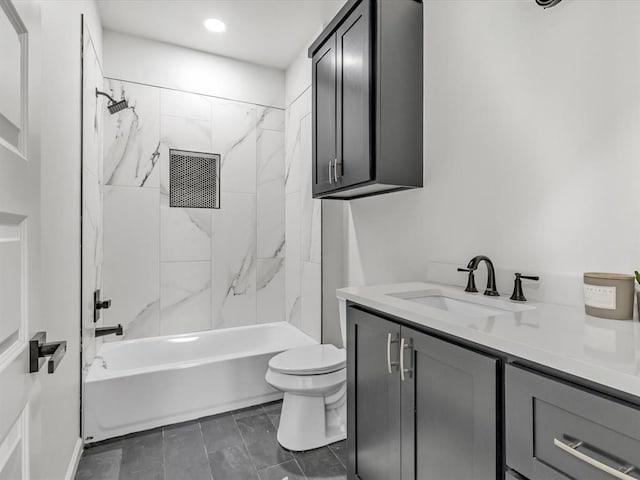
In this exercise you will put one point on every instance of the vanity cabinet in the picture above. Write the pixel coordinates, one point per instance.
(557, 431)
(367, 84)
(418, 407)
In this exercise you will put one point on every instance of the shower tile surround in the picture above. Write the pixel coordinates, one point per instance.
(92, 198)
(179, 270)
(303, 222)
(239, 445)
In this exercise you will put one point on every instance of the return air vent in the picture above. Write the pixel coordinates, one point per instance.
(194, 179)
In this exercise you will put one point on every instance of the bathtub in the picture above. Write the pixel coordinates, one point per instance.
(136, 385)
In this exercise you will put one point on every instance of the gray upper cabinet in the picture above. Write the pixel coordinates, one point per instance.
(367, 100)
(434, 420)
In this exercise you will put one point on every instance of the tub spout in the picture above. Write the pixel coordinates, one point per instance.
(102, 331)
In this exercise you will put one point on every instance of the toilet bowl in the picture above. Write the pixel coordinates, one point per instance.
(314, 382)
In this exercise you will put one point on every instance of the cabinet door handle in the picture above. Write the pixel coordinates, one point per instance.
(335, 170)
(390, 364)
(572, 449)
(404, 346)
(330, 181)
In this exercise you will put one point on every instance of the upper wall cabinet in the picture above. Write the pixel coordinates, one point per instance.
(367, 100)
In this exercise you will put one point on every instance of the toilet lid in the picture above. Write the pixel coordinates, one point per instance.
(311, 360)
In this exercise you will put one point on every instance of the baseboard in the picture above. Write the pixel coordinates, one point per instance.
(75, 459)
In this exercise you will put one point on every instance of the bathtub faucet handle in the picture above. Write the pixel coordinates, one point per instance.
(104, 304)
(99, 304)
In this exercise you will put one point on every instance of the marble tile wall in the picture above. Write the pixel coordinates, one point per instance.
(178, 270)
(303, 298)
(92, 192)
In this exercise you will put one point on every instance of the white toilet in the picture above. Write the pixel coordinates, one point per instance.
(314, 382)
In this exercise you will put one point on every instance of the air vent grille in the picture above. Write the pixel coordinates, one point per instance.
(194, 179)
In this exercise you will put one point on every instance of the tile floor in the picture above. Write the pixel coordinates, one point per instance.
(239, 445)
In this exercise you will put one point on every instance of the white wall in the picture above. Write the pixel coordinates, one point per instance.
(153, 63)
(531, 146)
(61, 29)
(303, 268)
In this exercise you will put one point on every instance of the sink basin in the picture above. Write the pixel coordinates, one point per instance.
(461, 303)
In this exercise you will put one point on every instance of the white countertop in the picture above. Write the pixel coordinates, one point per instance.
(564, 338)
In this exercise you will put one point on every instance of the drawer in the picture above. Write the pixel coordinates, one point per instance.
(555, 431)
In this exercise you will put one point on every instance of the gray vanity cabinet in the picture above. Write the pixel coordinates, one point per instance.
(367, 100)
(556, 431)
(373, 398)
(448, 411)
(434, 420)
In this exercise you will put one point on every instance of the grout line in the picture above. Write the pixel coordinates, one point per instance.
(304, 474)
(244, 442)
(164, 463)
(337, 457)
(204, 446)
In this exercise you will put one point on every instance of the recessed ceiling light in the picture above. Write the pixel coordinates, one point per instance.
(215, 25)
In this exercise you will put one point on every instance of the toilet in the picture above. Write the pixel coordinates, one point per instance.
(314, 382)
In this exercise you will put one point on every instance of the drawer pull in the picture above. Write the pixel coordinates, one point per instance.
(571, 449)
(390, 364)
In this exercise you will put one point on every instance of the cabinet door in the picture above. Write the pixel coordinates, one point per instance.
(354, 122)
(373, 428)
(324, 116)
(448, 411)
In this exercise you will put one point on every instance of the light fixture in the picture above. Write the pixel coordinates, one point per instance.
(214, 25)
(547, 3)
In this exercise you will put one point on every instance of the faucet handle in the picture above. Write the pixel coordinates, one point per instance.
(518, 294)
(471, 281)
(103, 304)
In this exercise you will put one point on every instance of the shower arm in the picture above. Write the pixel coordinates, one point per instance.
(98, 92)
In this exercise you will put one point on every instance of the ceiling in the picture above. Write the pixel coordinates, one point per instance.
(266, 32)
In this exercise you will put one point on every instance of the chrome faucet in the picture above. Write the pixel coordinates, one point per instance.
(491, 290)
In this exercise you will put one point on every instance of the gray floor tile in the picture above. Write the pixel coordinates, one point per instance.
(256, 427)
(107, 446)
(275, 419)
(248, 412)
(220, 432)
(100, 466)
(321, 463)
(142, 451)
(179, 429)
(154, 473)
(185, 456)
(285, 471)
(259, 435)
(340, 450)
(238, 445)
(273, 408)
(232, 463)
(198, 469)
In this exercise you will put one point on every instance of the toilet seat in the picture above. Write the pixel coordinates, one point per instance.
(309, 360)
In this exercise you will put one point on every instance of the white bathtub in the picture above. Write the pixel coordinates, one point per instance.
(136, 385)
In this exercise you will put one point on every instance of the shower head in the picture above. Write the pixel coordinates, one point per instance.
(117, 106)
(114, 106)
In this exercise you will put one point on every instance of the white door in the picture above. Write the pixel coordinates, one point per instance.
(20, 423)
